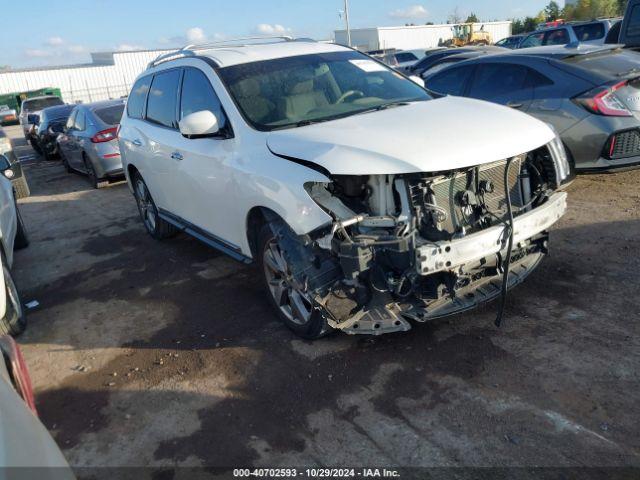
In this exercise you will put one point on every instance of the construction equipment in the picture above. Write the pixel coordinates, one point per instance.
(465, 34)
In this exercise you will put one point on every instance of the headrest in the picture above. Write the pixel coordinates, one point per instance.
(248, 87)
(306, 86)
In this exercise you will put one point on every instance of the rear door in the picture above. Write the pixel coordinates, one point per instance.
(76, 141)
(161, 136)
(504, 83)
(64, 140)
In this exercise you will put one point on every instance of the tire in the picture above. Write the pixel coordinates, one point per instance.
(155, 226)
(312, 327)
(14, 321)
(65, 162)
(35, 146)
(91, 172)
(22, 239)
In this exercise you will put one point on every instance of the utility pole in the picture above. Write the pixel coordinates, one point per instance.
(346, 19)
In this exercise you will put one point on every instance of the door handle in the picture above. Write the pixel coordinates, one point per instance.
(137, 143)
(514, 105)
(176, 156)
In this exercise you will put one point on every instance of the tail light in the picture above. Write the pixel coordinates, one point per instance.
(18, 371)
(602, 101)
(105, 135)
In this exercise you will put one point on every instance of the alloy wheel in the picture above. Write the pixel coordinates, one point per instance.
(146, 206)
(290, 297)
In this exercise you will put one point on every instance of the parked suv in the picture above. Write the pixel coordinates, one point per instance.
(344, 181)
(579, 32)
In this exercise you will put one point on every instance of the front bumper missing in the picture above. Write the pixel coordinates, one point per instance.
(449, 255)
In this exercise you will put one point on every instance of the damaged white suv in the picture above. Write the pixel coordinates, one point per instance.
(367, 205)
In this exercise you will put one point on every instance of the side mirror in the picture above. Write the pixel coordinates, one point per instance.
(199, 124)
(5, 167)
(417, 80)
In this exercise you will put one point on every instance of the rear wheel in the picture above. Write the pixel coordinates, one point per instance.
(14, 321)
(65, 162)
(291, 302)
(22, 239)
(156, 226)
(91, 172)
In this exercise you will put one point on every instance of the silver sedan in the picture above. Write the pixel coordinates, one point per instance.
(89, 142)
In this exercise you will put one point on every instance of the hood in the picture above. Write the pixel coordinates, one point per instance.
(431, 136)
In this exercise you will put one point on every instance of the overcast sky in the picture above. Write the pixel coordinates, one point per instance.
(52, 32)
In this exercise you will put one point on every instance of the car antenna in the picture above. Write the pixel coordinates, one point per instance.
(507, 261)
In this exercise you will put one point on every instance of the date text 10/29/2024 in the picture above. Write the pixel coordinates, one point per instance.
(316, 473)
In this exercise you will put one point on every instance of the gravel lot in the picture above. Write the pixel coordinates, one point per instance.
(166, 354)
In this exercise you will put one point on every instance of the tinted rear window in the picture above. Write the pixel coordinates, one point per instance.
(40, 103)
(590, 31)
(451, 82)
(110, 115)
(405, 57)
(609, 66)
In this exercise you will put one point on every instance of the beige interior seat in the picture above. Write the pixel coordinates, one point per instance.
(253, 103)
(301, 98)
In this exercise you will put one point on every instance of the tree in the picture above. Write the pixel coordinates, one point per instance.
(455, 16)
(473, 18)
(552, 11)
(590, 9)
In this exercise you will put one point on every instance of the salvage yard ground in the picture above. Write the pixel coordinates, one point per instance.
(148, 353)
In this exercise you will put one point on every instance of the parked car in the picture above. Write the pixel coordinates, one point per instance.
(18, 178)
(25, 444)
(593, 32)
(363, 205)
(8, 116)
(31, 108)
(89, 143)
(511, 42)
(590, 94)
(432, 58)
(452, 60)
(50, 124)
(405, 59)
(13, 235)
(627, 30)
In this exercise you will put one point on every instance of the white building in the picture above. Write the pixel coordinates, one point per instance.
(412, 37)
(110, 75)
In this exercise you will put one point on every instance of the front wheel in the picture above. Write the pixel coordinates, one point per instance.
(155, 226)
(293, 305)
(14, 321)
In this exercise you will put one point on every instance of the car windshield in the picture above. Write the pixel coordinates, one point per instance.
(40, 103)
(110, 115)
(295, 91)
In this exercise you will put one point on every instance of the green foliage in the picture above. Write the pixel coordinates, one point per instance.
(590, 9)
(473, 18)
(552, 11)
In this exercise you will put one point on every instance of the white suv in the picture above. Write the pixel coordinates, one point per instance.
(366, 204)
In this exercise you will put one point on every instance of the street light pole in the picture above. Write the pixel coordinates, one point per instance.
(346, 18)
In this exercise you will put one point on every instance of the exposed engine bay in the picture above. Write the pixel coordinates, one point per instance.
(415, 247)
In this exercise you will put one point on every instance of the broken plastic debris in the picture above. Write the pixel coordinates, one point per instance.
(32, 304)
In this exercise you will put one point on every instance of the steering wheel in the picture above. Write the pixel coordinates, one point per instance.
(349, 93)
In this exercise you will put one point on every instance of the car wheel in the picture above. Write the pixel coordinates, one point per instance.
(22, 239)
(65, 162)
(156, 226)
(91, 172)
(14, 321)
(48, 156)
(35, 146)
(291, 303)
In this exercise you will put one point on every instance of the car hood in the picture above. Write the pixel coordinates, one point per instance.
(431, 136)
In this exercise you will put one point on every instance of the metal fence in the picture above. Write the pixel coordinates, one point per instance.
(94, 94)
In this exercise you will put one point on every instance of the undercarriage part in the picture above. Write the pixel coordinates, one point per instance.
(415, 247)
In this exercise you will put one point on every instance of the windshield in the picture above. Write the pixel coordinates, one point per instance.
(294, 91)
(40, 103)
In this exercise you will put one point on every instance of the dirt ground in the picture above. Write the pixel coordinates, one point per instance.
(166, 353)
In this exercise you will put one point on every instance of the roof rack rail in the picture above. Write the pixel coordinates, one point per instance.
(189, 50)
